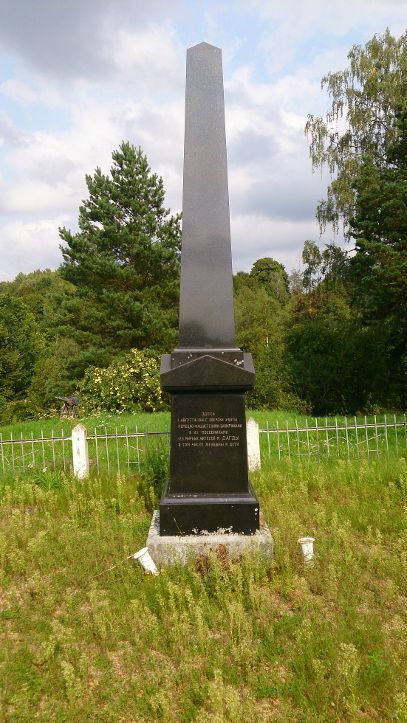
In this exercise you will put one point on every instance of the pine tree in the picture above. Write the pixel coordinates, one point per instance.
(124, 263)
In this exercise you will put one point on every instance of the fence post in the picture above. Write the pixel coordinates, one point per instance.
(80, 454)
(253, 445)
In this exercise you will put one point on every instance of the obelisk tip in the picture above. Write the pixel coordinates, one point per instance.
(204, 46)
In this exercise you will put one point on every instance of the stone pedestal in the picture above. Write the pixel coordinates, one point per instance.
(172, 550)
(209, 486)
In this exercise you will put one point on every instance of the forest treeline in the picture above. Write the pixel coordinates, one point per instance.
(328, 339)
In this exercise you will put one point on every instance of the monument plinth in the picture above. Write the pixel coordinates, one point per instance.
(207, 375)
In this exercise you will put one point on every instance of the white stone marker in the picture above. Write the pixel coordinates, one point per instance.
(307, 548)
(146, 561)
(253, 445)
(80, 454)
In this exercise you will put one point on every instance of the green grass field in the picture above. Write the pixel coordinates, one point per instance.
(216, 642)
(158, 420)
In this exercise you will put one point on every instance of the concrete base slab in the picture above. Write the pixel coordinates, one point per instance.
(168, 550)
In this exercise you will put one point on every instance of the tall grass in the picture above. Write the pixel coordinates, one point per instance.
(86, 636)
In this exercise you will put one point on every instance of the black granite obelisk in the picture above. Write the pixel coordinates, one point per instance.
(207, 374)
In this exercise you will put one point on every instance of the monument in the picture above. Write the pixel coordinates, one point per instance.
(207, 374)
(208, 490)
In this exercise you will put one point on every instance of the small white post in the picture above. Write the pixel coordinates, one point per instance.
(146, 561)
(80, 452)
(307, 548)
(253, 445)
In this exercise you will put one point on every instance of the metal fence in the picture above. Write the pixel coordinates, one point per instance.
(123, 452)
(347, 438)
(129, 451)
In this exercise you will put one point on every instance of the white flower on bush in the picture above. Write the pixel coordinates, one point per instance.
(129, 384)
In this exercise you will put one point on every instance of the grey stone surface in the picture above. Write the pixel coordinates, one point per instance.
(206, 295)
(206, 375)
(171, 550)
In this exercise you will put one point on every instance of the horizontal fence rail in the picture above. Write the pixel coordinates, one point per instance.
(129, 451)
(109, 452)
(344, 439)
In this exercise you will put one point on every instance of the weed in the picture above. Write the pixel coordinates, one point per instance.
(154, 473)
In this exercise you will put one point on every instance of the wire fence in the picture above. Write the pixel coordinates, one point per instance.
(127, 451)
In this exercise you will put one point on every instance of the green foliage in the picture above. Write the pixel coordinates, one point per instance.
(368, 96)
(117, 288)
(124, 261)
(379, 227)
(20, 345)
(312, 259)
(257, 317)
(46, 383)
(62, 361)
(272, 276)
(368, 194)
(320, 350)
(268, 390)
(295, 282)
(131, 383)
(336, 366)
(16, 410)
(42, 292)
(260, 315)
(329, 266)
(371, 347)
(155, 472)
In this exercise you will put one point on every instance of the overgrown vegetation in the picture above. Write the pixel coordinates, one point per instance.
(86, 636)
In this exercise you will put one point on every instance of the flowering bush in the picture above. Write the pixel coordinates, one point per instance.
(129, 384)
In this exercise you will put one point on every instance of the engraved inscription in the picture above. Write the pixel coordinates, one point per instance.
(208, 430)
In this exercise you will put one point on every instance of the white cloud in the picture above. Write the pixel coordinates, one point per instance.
(149, 57)
(32, 245)
(256, 236)
(18, 91)
(290, 27)
(115, 71)
(75, 39)
(9, 133)
(34, 198)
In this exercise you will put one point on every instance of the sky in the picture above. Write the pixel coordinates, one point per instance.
(79, 77)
